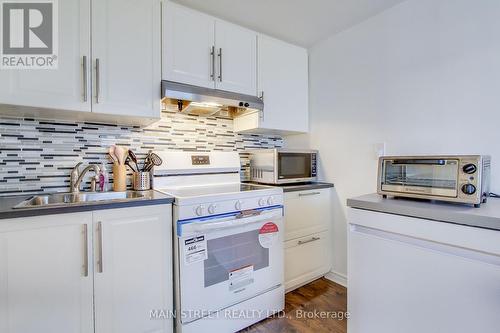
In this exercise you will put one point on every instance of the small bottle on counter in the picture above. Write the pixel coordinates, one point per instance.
(103, 178)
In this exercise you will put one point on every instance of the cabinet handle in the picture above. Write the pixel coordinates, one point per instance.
(85, 251)
(85, 78)
(212, 57)
(220, 64)
(99, 258)
(309, 240)
(308, 194)
(97, 80)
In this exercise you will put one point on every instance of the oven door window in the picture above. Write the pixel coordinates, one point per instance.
(424, 176)
(231, 253)
(294, 165)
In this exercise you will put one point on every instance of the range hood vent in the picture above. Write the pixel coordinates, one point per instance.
(200, 100)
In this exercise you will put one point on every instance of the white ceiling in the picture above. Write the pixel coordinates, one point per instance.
(301, 22)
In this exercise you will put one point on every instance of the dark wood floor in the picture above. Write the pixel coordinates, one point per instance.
(318, 298)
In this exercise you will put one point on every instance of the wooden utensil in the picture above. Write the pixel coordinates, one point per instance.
(111, 152)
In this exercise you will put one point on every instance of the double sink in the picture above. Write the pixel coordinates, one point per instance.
(76, 199)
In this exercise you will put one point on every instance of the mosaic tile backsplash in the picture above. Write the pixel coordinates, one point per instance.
(37, 155)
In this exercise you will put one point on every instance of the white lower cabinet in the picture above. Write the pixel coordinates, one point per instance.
(46, 278)
(133, 269)
(307, 236)
(306, 259)
(414, 275)
(63, 273)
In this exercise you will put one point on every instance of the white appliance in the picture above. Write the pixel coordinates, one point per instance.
(228, 248)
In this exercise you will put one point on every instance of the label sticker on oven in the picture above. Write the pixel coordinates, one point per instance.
(268, 234)
(195, 249)
(239, 278)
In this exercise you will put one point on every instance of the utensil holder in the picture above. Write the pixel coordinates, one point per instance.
(119, 178)
(141, 181)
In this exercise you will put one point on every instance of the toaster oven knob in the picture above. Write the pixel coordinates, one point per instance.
(212, 209)
(199, 210)
(469, 168)
(238, 205)
(469, 189)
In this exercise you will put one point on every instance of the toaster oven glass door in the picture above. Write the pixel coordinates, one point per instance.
(421, 176)
(294, 166)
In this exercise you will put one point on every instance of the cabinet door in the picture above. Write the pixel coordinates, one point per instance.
(307, 212)
(61, 88)
(187, 46)
(133, 269)
(306, 258)
(283, 83)
(126, 48)
(46, 280)
(236, 50)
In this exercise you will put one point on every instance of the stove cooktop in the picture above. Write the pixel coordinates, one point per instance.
(211, 190)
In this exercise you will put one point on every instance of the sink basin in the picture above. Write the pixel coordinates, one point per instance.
(65, 199)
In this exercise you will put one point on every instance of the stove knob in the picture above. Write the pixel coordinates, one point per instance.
(238, 205)
(469, 189)
(469, 168)
(199, 210)
(262, 202)
(212, 208)
(270, 201)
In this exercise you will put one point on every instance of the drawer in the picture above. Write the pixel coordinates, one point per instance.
(307, 212)
(306, 259)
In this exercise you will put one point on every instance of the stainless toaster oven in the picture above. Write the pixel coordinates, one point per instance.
(456, 178)
(283, 166)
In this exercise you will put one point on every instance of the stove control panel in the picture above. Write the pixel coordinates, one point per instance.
(229, 205)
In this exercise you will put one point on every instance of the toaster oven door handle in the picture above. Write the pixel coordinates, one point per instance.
(420, 161)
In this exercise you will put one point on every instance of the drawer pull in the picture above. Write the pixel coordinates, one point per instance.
(309, 240)
(308, 194)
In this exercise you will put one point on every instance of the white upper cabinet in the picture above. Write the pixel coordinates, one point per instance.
(236, 58)
(109, 65)
(201, 50)
(188, 46)
(64, 87)
(126, 52)
(283, 84)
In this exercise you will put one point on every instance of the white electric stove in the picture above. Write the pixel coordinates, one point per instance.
(228, 248)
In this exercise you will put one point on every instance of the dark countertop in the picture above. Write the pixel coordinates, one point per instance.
(301, 186)
(487, 216)
(7, 203)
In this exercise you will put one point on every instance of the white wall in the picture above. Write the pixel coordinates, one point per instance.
(423, 77)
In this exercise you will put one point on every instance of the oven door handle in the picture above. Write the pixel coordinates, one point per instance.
(226, 223)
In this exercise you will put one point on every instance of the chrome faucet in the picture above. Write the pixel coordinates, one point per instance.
(77, 177)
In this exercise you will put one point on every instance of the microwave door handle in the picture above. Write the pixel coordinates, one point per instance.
(420, 161)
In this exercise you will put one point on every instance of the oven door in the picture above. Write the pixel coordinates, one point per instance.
(295, 167)
(225, 260)
(429, 177)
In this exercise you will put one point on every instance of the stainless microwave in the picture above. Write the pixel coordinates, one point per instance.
(457, 178)
(283, 166)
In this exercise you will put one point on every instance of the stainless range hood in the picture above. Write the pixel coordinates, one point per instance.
(192, 99)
